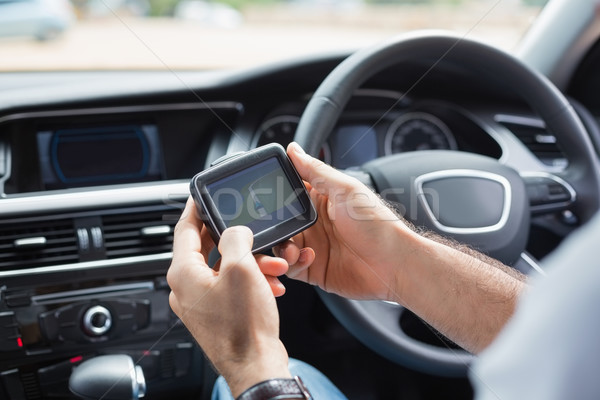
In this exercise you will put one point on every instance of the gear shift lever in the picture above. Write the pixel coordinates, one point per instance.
(109, 377)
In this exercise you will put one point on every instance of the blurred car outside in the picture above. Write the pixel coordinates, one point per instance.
(110, 8)
(40, 19)
(208, 13)
(339, 6)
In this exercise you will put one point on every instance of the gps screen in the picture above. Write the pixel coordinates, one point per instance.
(258, 197)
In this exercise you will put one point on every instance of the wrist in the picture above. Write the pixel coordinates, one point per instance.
(261, 365)
(407, 249)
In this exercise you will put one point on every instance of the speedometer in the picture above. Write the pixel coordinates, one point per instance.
(418, 131)
(281, 129)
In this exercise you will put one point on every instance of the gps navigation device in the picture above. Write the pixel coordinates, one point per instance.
(260, 189)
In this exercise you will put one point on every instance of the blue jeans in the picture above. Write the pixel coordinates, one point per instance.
(318, 385)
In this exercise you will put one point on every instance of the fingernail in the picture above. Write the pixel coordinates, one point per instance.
(297, 148)
(279, 284)
(303, 256)
(281, 288)
(281, 252)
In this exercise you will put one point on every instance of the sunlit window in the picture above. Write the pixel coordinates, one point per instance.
(203, 34)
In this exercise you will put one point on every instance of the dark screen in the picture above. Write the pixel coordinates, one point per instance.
(99, 156)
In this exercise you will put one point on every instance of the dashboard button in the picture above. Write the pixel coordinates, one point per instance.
(10, 338)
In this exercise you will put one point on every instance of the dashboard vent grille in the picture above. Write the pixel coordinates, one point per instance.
(138, 234)
(540, 142)
(36, 244)
(31, 386)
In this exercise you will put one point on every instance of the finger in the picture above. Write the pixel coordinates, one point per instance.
(319, 175)
(273, 266)
(235, 247)
(276, 286)
(288, 250)
(217, 266)
(174, 303)
(305, 259)
(186, 237)
(208, 243)
(187, 230)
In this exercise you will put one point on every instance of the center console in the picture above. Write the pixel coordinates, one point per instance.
(89, 199)
(79, 286)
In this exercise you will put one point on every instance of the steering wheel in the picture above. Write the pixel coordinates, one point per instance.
(477, 200)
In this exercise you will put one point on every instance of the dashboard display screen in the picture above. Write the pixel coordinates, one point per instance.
(353, 145)
(99, 156)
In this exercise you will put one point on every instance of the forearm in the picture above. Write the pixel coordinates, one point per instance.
(467, 298)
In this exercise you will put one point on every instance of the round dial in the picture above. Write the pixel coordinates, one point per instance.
(418, 131)
(281, 129)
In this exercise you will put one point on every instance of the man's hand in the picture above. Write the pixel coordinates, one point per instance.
(230, 310)
(357, 244)
(361, 249)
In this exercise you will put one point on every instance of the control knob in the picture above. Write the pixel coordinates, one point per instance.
(97, 321)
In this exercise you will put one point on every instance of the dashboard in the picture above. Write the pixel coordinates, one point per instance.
(94, 173)
(377, 123)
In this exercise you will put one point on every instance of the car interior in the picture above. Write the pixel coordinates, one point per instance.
(95, 168)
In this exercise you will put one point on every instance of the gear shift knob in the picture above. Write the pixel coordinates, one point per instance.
(109, 377)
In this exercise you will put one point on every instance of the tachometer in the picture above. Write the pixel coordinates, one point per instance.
(418, 131)
(281, 129)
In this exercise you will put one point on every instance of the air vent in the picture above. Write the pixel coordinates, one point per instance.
(31, 386)
(539, 141)
(36, 244)
(129, 235)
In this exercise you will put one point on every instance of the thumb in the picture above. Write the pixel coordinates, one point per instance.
(235, 247)
(321, 176)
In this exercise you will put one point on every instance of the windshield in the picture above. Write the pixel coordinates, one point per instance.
(204, 34)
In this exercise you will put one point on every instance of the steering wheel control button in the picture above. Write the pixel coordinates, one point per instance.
(569, 218)
(548, 192)
(97, 321)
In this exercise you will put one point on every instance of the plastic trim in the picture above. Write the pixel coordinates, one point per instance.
(86, 265)
(533, 264)
(167, 193)
(467, 173)
(125, 109)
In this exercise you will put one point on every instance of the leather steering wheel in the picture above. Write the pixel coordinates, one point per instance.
(492, 208)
